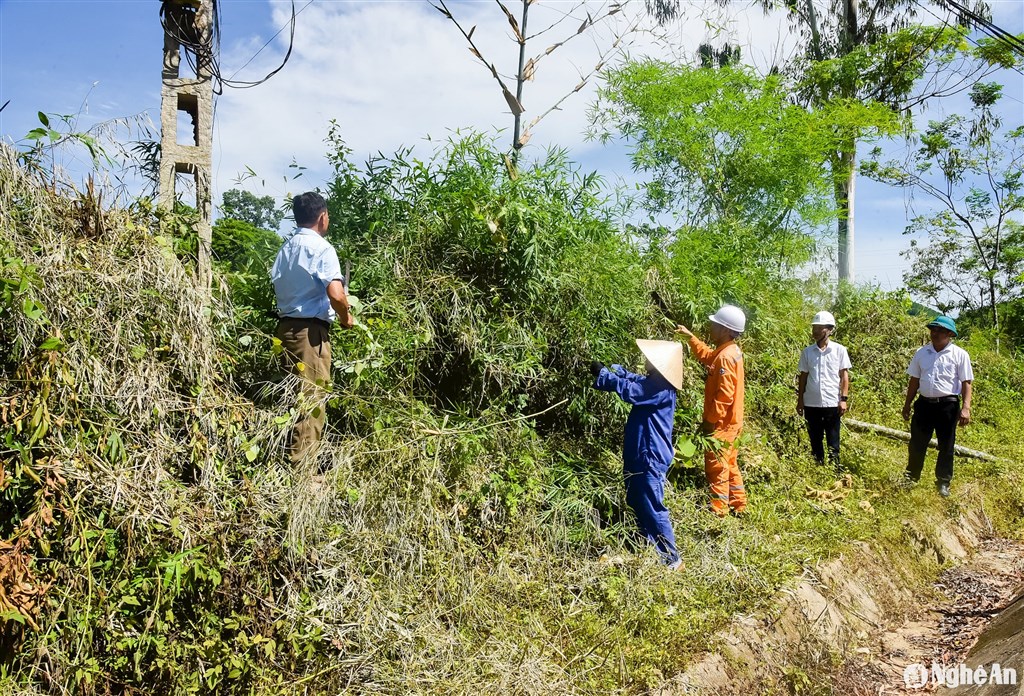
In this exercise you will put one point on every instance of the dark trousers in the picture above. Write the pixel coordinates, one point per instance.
(940, 417)
(823, 423)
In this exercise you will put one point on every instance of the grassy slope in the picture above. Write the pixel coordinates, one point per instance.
(441, 554)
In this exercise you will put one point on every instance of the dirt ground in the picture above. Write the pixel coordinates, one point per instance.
(942, 632)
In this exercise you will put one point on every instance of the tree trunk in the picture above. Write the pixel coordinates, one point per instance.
(849, 38)
(845, 190)
(995, 310)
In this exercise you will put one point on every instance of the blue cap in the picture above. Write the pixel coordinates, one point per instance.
(943, 322)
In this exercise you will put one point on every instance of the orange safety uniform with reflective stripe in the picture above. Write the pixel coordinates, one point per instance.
(723, 391)
(723, 408)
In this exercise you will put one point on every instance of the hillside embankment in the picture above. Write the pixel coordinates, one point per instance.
(852, 626)
(464, 528)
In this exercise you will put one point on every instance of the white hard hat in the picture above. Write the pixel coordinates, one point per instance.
(667, 358)
(823, 319)
(731, 317)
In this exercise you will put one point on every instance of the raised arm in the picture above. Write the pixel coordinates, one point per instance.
(633, 389)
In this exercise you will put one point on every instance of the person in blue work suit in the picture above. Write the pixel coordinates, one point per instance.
(647, 450)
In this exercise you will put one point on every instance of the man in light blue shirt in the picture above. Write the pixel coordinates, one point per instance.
(311, 295)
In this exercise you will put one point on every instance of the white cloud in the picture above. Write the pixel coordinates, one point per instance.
(393, 73)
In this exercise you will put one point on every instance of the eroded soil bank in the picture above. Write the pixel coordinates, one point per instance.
(860, 623)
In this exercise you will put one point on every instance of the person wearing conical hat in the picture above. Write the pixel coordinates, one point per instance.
(647, 449)
(723, 407)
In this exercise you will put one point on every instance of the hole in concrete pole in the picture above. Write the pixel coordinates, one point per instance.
(188, 120)
(186, 71)
(185, 187)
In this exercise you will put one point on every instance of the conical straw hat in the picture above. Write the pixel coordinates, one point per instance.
(667, 358)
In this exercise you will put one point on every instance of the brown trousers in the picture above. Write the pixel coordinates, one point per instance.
(307, 351)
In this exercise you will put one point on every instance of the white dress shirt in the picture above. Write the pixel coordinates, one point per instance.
(304, 267)
(822, 368)
(942, 373)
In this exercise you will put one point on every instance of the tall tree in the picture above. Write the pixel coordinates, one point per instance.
(726, 146)
(973, 169)
(853, 49)
(259, 211)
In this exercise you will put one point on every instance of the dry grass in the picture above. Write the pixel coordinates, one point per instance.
(377, 552)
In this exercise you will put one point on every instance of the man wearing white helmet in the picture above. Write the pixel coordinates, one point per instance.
(723, 407)
(647, 451)
(824, 387)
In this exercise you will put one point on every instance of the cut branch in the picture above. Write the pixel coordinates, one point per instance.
(894, 434)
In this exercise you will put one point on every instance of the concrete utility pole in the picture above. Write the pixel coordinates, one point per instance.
(188, 27)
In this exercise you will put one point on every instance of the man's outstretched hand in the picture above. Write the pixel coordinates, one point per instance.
(595, 367)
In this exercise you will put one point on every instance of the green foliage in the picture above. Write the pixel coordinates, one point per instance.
(885, 69)
(479, 288)
(162, 543)
(257, 211)
(48, 137)
(243, 247)
(973, 256)
(731, 154)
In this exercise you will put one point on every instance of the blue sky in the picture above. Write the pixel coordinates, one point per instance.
(390, 71)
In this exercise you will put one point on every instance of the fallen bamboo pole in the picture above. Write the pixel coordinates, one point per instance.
(901, 435)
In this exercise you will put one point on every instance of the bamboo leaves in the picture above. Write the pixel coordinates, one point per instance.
(512, 23)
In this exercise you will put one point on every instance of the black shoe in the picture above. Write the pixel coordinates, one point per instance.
(943, 488)
(907, 481)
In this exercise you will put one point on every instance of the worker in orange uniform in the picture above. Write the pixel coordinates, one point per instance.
(723, 406)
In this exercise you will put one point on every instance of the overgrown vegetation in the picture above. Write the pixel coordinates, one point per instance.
(469, 533)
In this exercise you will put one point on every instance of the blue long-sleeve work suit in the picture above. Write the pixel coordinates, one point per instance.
(646, 450)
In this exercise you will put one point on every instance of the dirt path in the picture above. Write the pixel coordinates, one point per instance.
(944, 632)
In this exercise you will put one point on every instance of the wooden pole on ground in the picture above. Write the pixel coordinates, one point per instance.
(861, 426)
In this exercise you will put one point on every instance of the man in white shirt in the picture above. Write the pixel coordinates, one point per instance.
(824, 388)
(311, 294)
(940, 373)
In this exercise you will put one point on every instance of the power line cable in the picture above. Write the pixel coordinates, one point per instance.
(291, 42)
(926, 8)
(985, 25)
(202, 52)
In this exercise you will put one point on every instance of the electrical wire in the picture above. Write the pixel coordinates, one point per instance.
(202, 53)
(945, 22)
(985, 25)
(291, 42)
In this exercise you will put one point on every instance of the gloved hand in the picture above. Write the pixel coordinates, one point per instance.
(595, 367)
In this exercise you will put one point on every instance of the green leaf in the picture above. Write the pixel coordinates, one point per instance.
(44, 119)
(686, 448)
(31, 309)
(12, 615)
(52, 343)
(252, 452)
